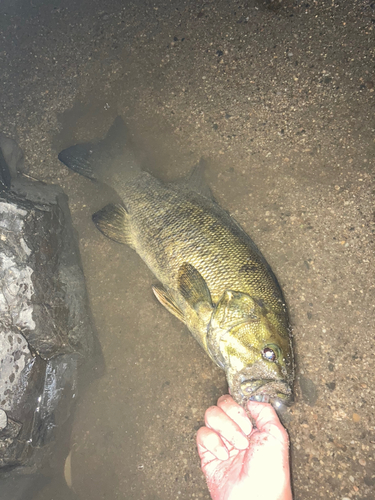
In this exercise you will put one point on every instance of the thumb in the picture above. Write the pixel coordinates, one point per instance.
(267, 421)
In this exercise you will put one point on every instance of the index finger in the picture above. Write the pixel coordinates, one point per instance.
(221, 423)
(266, 420)
(235, 412)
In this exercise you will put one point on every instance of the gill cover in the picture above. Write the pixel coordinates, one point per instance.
(232, 310)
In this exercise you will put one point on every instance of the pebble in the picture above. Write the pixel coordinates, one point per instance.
(3, 419)
(356, 417)
(362, 462)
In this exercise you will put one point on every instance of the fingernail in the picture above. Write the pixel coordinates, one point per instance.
(246, 427)
(241, 442)
(222, 453)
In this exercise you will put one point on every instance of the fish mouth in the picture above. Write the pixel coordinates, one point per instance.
(276, 392)
(245, 386)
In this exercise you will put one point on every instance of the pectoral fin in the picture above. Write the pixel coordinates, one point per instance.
(194, 290)
(113, 221)
(167, 301)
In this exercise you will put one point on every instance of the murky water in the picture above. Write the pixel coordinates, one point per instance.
(282, 110)
(135, 426)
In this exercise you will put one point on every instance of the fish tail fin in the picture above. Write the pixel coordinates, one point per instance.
(78, 158)
(103, 160)
(113, 221)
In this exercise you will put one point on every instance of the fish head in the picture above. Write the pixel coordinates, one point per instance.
(252, 343)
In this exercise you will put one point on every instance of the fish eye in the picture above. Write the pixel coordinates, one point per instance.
(272, 352)
(269, 354)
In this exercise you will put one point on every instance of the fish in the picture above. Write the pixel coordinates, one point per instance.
(211, 274)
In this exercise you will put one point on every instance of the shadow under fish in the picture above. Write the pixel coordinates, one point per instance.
(46, 329)
(212, 275)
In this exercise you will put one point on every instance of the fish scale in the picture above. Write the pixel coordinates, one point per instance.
(178, 234)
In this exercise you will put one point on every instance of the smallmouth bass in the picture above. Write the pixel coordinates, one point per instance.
(212, 276)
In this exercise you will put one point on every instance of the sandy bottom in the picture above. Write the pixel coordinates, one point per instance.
(278, 97)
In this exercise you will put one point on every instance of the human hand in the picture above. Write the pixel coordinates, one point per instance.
(242, 462)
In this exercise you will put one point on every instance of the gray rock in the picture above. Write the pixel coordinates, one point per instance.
(46, 330)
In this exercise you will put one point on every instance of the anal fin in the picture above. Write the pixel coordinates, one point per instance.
(113, 221)
(167, 301)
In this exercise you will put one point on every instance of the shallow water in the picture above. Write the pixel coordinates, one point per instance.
(285, 118)
(155, 371)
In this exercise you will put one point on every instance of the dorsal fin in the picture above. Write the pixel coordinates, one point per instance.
(195, 180)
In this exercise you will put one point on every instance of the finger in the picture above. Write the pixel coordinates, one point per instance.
(236, 413)
(209, 441)
(266, 420)
(220, 422)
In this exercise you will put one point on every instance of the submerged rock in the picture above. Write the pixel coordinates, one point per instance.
(46, 333)
(309, 390)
